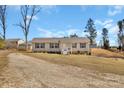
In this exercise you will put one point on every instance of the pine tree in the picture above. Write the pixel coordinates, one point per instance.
(105, 38)
(90, 28)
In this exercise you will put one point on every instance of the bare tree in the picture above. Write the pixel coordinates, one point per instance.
(27, 14)
(3, 9)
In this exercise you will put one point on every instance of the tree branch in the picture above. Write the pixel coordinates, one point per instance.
(26, 22)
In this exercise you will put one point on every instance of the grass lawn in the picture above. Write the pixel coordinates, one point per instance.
(101, 64)
(3, 58)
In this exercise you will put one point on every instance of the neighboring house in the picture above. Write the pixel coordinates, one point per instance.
(23, 46)
(61, 45)
(13, 43)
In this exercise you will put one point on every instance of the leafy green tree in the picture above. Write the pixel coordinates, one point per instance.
(90, 28)
(105, 38)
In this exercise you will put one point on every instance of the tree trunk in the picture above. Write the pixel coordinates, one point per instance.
(91, 42)
(122, 47)
(26, 42)
(4, 36)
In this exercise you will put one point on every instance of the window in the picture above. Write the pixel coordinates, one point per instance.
(54, 45)
(82, 45)
(40, 45)
(51, 45)
(36, 45)
(74, 45)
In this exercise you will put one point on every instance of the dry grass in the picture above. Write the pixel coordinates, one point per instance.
(106, 53)
(3, 58)
(101, 64)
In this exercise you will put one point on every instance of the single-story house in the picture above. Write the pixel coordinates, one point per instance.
(61, 45)
(13, 43)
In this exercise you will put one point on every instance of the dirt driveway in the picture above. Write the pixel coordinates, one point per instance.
(25, 71)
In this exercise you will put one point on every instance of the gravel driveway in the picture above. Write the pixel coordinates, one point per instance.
(25, 71)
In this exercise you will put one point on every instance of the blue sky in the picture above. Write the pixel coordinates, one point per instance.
(59, 21)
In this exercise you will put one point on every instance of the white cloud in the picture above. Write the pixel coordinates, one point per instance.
(107, 23)
(98, 22)
(98, 32)
(114, 29)
(115, 10)
(34, 17)
(60, 33)
(45, 32)
(50, 33)
(112, 13)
